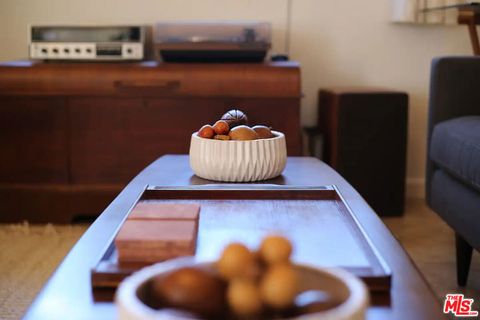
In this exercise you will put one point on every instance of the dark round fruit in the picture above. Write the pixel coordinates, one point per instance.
(235, 118)
(192, 290)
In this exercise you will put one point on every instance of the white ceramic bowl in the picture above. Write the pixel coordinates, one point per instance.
(348, 291)
(238, 161)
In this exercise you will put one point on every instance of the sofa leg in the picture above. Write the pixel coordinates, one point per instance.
(464, 257)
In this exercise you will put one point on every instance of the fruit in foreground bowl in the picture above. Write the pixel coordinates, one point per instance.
(237, 261)
(279, 286)
(192, 290)
(244, 298)
(243, 133)
(275, 249)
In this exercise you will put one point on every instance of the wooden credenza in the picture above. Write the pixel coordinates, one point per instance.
(73, 134)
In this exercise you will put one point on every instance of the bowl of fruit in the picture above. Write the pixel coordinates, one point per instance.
(242, 284)
(232, 151)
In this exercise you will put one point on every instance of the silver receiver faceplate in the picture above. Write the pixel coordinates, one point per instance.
(86, 51)
(87, 42)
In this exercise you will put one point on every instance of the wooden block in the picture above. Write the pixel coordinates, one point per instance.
(146, 210)
(156, 240)
(159, 233)
(145, 257)
(124, 258)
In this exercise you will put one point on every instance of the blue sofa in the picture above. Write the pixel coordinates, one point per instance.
(453, 160)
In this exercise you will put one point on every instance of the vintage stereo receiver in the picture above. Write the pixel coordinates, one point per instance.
(89, 42)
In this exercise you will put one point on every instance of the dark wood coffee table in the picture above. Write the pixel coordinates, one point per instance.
(68, 293)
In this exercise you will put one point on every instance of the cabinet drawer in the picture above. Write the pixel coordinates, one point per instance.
(103, 143)
(33, 141)
(151, 79)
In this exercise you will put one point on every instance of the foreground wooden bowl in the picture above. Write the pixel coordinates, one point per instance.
(349, 292)
(238, 161)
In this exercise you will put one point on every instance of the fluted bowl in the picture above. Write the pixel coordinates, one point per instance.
(238, 161)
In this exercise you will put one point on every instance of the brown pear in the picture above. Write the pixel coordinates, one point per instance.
(263, 132)
(243, 133)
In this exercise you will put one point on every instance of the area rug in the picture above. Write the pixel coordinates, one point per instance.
(28, 256)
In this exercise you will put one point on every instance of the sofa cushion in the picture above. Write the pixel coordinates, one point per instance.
(455, 147)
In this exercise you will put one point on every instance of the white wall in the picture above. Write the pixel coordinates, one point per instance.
(339, 43)
(346, 43)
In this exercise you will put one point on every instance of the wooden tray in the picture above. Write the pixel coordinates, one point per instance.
(316, 219)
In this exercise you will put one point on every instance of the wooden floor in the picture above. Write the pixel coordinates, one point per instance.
(431, 245)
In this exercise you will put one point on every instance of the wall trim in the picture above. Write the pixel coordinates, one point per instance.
(415, 188)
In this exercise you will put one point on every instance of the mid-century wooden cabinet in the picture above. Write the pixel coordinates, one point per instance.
(73, 134)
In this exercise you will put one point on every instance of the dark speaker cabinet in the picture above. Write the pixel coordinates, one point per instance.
(365, 140)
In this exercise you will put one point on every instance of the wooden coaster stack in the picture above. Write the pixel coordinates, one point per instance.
(156, 232)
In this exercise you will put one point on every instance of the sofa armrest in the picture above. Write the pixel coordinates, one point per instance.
(454, 88)
(454, 92)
